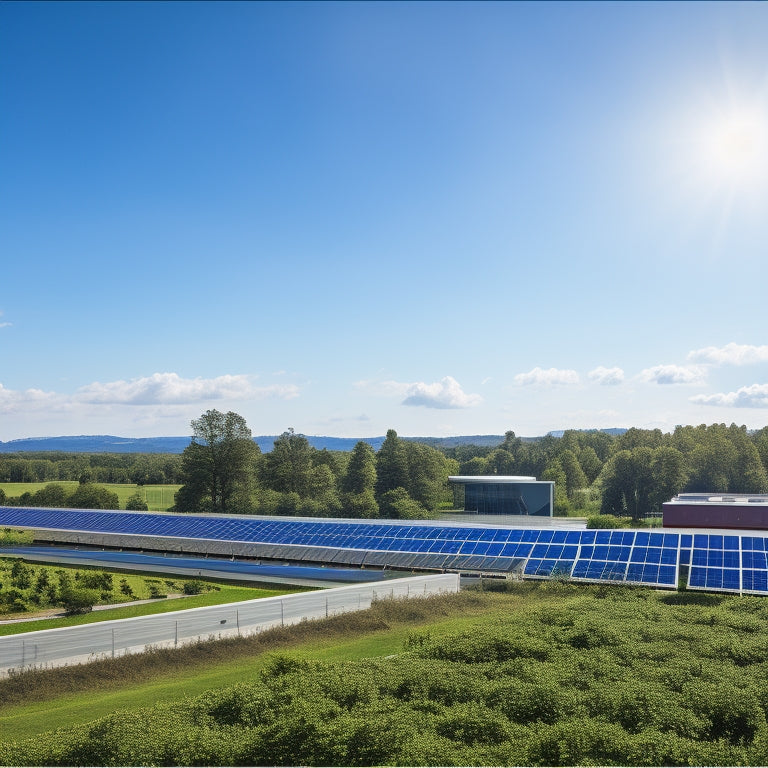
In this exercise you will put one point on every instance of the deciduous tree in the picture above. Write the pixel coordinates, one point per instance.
(217, 465)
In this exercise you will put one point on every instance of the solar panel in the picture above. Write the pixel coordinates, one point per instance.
(716, 563)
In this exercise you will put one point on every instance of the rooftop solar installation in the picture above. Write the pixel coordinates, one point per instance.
(723, 562)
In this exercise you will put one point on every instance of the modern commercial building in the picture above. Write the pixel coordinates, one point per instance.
(717, 510)
(503, 495)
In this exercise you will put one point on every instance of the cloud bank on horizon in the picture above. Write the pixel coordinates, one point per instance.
(164, 395)
(443, 218)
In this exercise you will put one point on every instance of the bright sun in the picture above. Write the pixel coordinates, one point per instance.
(732, 149)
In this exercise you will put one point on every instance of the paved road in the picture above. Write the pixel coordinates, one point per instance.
(67, 645)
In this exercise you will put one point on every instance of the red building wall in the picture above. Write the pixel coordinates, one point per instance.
(747, 516)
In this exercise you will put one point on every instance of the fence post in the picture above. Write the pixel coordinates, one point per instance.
(326, 607)
(113, 642)
(237, 616)
(282, 614)
(23, 652)
(176, 635)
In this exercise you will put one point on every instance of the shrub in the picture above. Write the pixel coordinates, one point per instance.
(76, 600)
(21, 574)
(192, 587)
(608, 521)
(136, 502)
(153, 585)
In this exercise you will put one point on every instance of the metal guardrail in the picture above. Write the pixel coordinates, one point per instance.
(88, 642)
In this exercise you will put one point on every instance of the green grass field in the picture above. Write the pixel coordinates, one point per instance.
(159, 498)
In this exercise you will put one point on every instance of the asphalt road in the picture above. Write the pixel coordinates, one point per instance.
(68, 645)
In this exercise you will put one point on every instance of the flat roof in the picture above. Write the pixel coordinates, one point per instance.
(494, 479)
(710, 499)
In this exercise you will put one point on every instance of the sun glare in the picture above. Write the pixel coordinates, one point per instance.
(715, 162)
(732, 149)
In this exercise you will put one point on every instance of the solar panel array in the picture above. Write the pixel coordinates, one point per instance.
(635, 557)
(715, 562)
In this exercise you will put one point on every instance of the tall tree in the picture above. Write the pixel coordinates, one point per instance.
(628, 483)
(428, 471)
(669, 475)
(361, 470)
(288, 466)
(590, 463)
(391, 465)
(760, 439)
(500, 462)
(217, 465)
(575, 479)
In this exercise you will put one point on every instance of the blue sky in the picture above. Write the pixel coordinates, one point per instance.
(441, 218)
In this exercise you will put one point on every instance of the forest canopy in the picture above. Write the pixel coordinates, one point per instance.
(223, 470)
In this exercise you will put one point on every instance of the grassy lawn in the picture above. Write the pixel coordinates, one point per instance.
(159, 498)
(16, 489)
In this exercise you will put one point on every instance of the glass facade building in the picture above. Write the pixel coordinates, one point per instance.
(499, 495)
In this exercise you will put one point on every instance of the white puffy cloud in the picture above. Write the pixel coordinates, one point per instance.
(606, 376)
(172, 389)
(547, 378)
(730, 354)
(673, 374)
(446, 393)
(755, 396)
(4, 324)
(12, 400)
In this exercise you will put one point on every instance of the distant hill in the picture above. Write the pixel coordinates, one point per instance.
(112, 444)
(97, 444)
(613, 431)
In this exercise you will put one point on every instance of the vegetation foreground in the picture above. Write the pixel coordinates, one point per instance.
(544, 674)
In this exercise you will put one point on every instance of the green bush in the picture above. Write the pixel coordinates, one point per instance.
(136, 502)
(192, 587)
(77, 600)
(608, 521)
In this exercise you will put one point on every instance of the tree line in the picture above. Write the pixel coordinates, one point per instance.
(223, 470)
(631, 474)
(56, 466)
